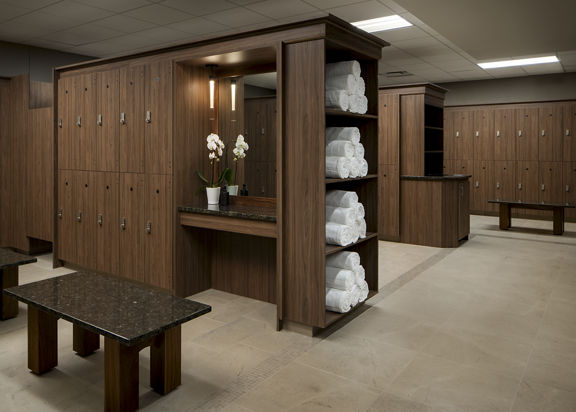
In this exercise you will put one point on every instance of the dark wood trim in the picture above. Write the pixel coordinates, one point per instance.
(229, 224)
(84, 342)
(42, 340)
(121, 369)
(8, 305)
(166, 361)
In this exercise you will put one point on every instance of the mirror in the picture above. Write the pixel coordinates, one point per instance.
(255, 118)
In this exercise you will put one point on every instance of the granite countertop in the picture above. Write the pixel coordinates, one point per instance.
(267, 214)
(439, 177)
(113, 307)
(9, 258)
(519, 203)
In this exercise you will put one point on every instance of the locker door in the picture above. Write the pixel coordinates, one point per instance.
(107, 229)
(75, 112)
(65, 122)
(569, 132)
(449, 135)
(527, 134)
(108, 124)
(504, 136)
(465, 167)
(570, 187)
(550, 138)
(551, 187)
(85, 218)
(389, 204)
(158, 118)
(505, 180)
(66, 220)
(527, 177)
(132, 119)
(131, 210)
(87, 128)
(463, 124)
(483, 135)
(157, 230)
(448, 168)
(483, 183)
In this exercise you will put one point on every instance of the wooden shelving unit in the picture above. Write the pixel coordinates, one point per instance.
(333, 317)
(331, 249)
(330, 181)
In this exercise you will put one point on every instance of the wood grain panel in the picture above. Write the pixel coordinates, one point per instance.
(416, 227)
(107, 137)
(483, 184)
(229, 224)
(463, 125)
(551, 184)
(132, 96)
(483, 134)
(131, 249)
(550, 136)
(505, 180)
(504, 134)
(75, 155)
(65, 122)
(88, 145)
(389, 203)
(569, 179)
(158, 131)
(463, 209)
(388, 129)
(411, 135)
(569, 132)
(6, 160)
(84, 194)
(106, 188)
(527, 176)
(527, 134)
(42, 340)
(66, 221)
(449, 135)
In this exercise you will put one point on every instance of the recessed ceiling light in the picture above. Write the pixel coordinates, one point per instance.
(519, 62)
(382, 23)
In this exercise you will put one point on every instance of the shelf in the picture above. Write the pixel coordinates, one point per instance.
(433, 151)
(330, 181)
(330, 249)
(336, 112)
(434, 128)
(332, 317)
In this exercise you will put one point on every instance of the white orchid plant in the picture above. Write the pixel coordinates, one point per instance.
(240, 149)
(216, 150)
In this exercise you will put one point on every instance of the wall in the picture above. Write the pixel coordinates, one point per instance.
(512, 90)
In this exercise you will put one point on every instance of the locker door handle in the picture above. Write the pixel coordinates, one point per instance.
(520, 133)
(61, 213)
(477, 183)
(543, 132)
(477, 133)
(99, 219)
(457, 134)
(498, 133)
(148, 116)
(99, 121)
(567, 132)
(543, 187)
(123, 223)
(79, 217)
(122, 118)
(497, 185)
(567, 188)
(148, 227)
(520, 186)
(60, 123)
(79, 121)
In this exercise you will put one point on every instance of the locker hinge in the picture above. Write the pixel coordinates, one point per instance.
(61, 213)
(99, 219)
(122, 118)
(79, 217)
(148, 116)
(123, 223)
(99, 122)
(148, 227)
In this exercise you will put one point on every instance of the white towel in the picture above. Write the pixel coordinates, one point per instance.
(360, 212)
(359, 151)
(338, 300)
(347, 82)
(345, 260)
(338, 99)
(346, 67)
(355, 294)
(340, 148)
(351, 134)
(341, 198)
(343, 215)
(340, 235)
(358, 104)
(363, 168)
(337, 167)
(354, 168)
(339, 278)
(361, 228)
(360, 86)
(364, 290)
(359, 274)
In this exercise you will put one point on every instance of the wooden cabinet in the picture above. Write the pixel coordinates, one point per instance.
(389, 198)
(504, 134)
(463, 212)
(389, 130)
(483, 134)
(527, 177)
(551, 187)
(550, 139)
(569, 131)
(505, 180)
(569, 179)
(86, 148)
(449, 167)
(449, 136)
(483, 185)
(464, 142)
(65, 122)
(527, 134)
(66, 217)
(105, 220)
(132, 119)
(107, 120)
(131, 212)
(84, 196)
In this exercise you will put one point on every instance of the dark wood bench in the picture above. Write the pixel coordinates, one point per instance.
(556, 208)
(9, 263)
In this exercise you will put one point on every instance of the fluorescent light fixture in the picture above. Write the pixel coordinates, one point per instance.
(382, 23)
(233, 92)
(211, 82)
(519, 62)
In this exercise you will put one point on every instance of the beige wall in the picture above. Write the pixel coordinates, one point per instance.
(513, 90)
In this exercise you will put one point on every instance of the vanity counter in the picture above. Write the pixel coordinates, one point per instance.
(262, 213)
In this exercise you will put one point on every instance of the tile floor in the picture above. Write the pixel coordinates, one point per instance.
(490, 326)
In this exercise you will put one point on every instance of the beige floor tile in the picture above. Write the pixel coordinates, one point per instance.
(392, 403)
(560, 319)
(534, 397)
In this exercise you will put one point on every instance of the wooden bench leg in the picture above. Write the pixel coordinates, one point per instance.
(121, 365)
(8, 305)
(558, 221)
(42, 340)
(166, 361)
(85, 342)
(505, 217)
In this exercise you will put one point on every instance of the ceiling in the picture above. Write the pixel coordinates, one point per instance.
(447, 40)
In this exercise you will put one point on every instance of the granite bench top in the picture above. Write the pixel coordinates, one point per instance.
(267, 214)
(531, 204)
(9, 258)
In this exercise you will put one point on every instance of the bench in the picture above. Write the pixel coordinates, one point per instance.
(556, 208)
(9, 263)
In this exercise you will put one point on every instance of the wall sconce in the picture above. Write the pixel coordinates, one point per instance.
(212, 83)
(233, 90)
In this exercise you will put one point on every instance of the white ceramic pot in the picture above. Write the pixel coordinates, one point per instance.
(233, 190)
(213, 194)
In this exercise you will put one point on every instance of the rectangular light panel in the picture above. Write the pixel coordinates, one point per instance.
(382, 23)
(518, 62)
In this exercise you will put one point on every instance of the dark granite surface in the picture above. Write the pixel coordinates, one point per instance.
(267, 214)
(440, 177)
(536, 204)
(9, 258)
(113, 307)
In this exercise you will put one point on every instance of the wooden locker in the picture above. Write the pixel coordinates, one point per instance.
(88, 116)
(526, 134)
(108, 124)
(569, 132)
(550, 139)
(105, 186)
(448, 168)
(449, 137)
(569, 179)
(388, 132)
(464, 142)
(158, 118)
(84, 196)
(483, 186)
(132, 119)
(75, 155)
(527, 177)
(389, 203)
(130, 225)
(551, 187)
(505, 180)
(483, 134)
(463, 167)
(66, 217)
(157, 230)
(463, 209)
(65, 122)
(504, 134)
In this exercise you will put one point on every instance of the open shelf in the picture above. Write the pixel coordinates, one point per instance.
(330, 249)
(332, 317)
(336, 112)
(330, 181)
(433, 128)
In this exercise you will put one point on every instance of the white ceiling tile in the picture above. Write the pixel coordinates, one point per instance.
(570, 68)
(301, 17)
(361, 11)
(244, 2)
(330, 4)
(198, 25)
(158, 14)
(443, 55)
(393, 6)
(543, 68)
(125, 24)
(199, 7)
(237, 17)
(8, 12)
(115, 5)
(451, 65)
(39, 21)
(408, 44)
(164, 34)
(87, 33)
(567, 58)
(76, 13)
(29, 4)
(405, 33)
(278, 9)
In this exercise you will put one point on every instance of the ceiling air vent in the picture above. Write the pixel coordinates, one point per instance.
(399, 73)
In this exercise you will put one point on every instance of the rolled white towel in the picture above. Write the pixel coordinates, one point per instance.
(355, 294)
(351, 134)
(343, 215)
(338, 99)
(345, 67)
(347, 82)
(337, 167)
(341, 198)
(363, 168)
(341, 235)
(345, 260)
(354, 167)
(339, 278)
(359, 274)
(358, 104)
(364, 290)
(359, 151)
(360, 212)
(360, 86)
(340, 148)
(338, 300)
(361, 228)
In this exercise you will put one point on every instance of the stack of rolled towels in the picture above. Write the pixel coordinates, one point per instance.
(345, 87)
(345, 221)
(345, 281)
(344, 153)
